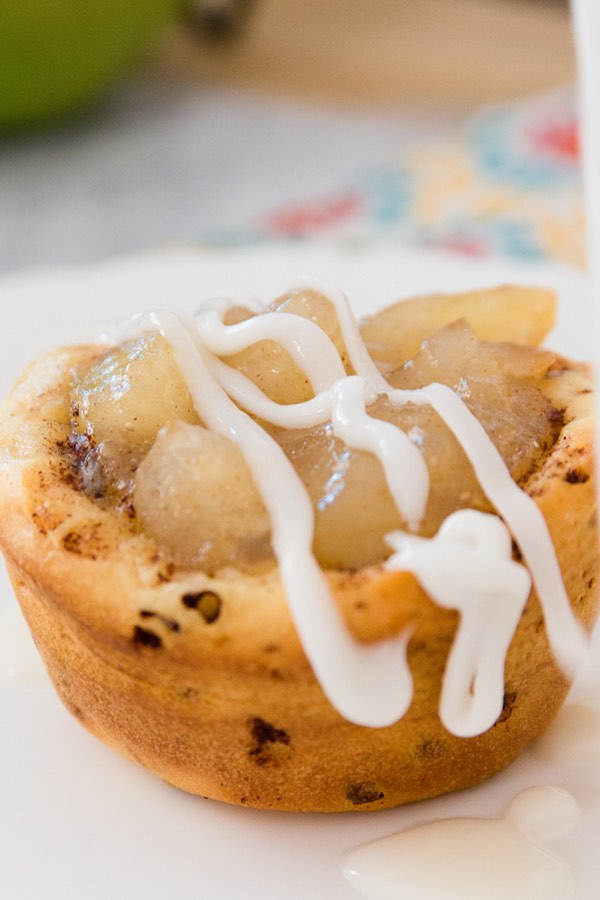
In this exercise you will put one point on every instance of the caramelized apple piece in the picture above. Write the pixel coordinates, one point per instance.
(129, 394)
(353, 507)
(313, 305)
(118, 407)
(521, 314)
(271, 367)
(195, 495)
(498, 382)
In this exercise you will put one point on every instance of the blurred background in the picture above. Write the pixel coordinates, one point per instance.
(130, 125)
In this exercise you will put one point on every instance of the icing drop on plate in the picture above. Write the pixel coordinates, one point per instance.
(473, 859)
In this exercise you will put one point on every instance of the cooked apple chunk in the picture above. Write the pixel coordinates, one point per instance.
(271, 367)
(194, 493)
(499, 383)
(192, 489)
(523, 315)
(129, 394)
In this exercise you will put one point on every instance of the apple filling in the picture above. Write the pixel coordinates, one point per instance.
(191, 489)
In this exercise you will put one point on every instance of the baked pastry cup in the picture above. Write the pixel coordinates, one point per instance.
(200, 676)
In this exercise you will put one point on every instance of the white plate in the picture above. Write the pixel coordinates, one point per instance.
(76, 821)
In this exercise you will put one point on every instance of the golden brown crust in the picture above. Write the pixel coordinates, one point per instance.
(203, 679)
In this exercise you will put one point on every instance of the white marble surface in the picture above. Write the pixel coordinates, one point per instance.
(163, 162)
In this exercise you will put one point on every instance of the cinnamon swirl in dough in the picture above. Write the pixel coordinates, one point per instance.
(287, 562)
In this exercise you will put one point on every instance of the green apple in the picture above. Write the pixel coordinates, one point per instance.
(56, 56)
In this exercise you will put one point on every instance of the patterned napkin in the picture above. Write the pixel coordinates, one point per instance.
(508, 184)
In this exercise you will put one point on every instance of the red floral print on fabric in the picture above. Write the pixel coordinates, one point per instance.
(298, 220)
(559, 139)
(464, 245)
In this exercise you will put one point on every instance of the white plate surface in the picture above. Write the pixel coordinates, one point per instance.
(76, 821)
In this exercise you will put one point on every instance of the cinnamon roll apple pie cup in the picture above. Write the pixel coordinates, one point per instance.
(286, 560)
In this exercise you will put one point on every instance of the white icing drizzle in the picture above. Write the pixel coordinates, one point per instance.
(405, 471)
(524, 519)
(472, 859)
(310, 348)
(362, 363)
(371, 684)
(468, 566)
